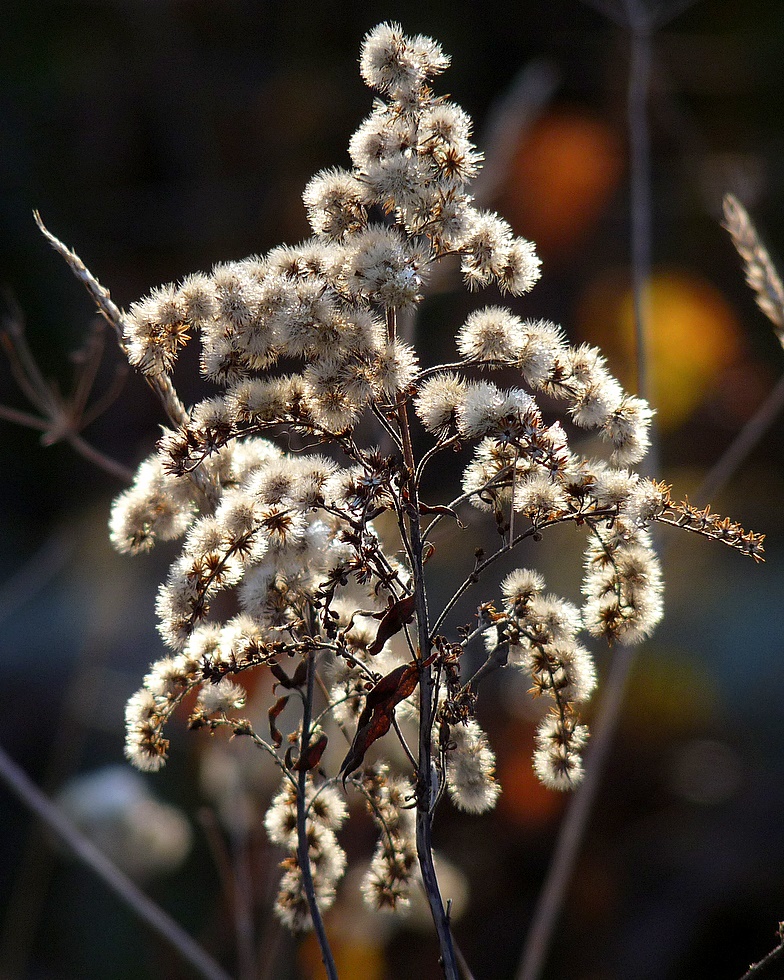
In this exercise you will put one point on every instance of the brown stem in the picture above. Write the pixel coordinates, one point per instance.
(760, 970)
(23, 418)
(303, 856)
(424, 815)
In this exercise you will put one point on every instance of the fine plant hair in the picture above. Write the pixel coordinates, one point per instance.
(306, 542)
(761, 274)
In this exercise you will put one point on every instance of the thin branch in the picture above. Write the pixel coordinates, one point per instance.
(403, 742)
(160, 384)
(237, 898)
(497, 658)
(473, 578)
(572, 829)
(23, 418)
(424, 816)
(99, 459)
(494, 481)
(77, 442)
(26, 375)
(64, 417)
(640, 167)
(243, 904)
(759, 971)
(219, 852)
(331, 704)
(28, 793)
(88, 360)
(509, 117)
(241, 727)
(33, 575)
(303, 856)
(433, 451)
(107, 398)
(23, 365)
(670, 11)
(387, 427)
(742, 445)
(462, 962)
(608, 10)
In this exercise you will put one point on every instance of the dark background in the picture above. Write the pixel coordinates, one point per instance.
(157, 138)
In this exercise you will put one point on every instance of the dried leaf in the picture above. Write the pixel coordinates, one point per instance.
(311, 757)
(379, 710)
(281, 675)
(442, 510)
(274, 711)
(392, 622)
(299, 678)
(300, 674)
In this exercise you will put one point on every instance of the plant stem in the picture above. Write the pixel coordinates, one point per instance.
(155, 917)
(424, 815)
(572, 829)
(640, 168)
(742, 445)
(99, 459)
(303, 857)
(23, 418)
(758, 971)
(242, 906)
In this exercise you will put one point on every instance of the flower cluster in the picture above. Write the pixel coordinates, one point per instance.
(303, 341)
(321, 301)
(325, 813)
(470, 769)
(389, 799)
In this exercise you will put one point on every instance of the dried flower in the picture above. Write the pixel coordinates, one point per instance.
(323, 557)
(470, 769)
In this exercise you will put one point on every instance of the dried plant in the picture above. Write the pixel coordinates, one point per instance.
(60, 417)
(765, 281)
(325, 556)
(761, 274)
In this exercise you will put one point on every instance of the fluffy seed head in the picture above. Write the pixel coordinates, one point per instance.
(492, 334)
(470, 769)
(437, 402)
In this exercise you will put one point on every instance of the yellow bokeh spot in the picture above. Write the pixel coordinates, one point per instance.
(669, 696)
(354, 960)
(693, 337)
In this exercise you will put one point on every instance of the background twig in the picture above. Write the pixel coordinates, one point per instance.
(150, 913)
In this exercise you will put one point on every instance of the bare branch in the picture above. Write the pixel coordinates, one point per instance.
(25, 790)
